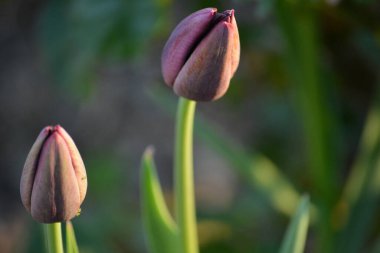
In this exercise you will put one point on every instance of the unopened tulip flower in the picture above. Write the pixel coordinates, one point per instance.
(202, 55)
(53, 182)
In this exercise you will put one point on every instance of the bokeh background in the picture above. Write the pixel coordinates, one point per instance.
(301, 116)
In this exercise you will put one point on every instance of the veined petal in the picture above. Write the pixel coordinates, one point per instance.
(182, 41)
(235, 54)
(207, 73)
(78, 165)
(55, 194)
(30, 167)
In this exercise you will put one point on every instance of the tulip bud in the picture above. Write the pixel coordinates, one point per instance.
(202, 54)
(53, 182)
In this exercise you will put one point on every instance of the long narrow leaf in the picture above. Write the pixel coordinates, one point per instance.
(362, 193)
(295, 237)
(71, 242)
(260, 171)
(161, 231)
(367, 152)
(299, 22)
(263, 174)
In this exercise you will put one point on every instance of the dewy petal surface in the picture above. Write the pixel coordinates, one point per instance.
(207, 73)
(78, 165)
(55, 195)
(30, 167)
(182, 41)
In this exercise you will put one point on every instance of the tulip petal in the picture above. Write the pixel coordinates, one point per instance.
(29, 171)
(78, 165)
(55, 195)
(183, 40)
(235, 55)
(207, 73)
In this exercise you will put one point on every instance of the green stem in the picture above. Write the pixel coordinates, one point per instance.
(184, 177)
(53, 235)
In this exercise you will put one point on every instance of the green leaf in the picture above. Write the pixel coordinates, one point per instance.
(260, 172)
(160, 229)
(368, 153)
(295, 237)
(361, 194)
(299, 23)
(71, 242)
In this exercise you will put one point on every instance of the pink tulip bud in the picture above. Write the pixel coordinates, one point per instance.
(202, 54)
(53, 182)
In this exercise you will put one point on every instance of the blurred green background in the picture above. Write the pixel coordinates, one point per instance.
(302, 115)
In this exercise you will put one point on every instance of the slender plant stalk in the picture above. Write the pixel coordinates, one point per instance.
(184, 177)
(53, 235)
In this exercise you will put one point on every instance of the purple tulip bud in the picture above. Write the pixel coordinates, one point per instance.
(53, 181)
(202, 54)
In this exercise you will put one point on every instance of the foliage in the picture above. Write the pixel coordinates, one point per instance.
(306, 90)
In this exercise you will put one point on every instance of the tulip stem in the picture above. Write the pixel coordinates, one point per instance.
(53, 235)
(184, 177)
